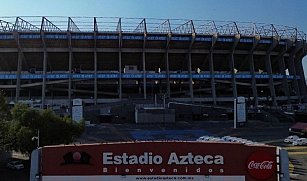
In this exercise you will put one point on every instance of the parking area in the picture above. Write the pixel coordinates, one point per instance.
(7, 174)
(259, 131)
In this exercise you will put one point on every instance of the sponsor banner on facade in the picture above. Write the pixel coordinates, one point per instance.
(161, 158)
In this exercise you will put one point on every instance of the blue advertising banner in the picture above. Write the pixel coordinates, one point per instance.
(57, 76)
(6, 37)
(157, 38)
(140, 75)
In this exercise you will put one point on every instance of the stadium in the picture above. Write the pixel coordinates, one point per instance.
(52, 60)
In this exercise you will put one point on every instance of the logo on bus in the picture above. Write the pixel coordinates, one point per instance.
(76, 157)
(261, 165)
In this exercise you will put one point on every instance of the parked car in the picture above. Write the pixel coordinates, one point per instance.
(291, 138)
(204, 138)
(300, 141)
(15, 165)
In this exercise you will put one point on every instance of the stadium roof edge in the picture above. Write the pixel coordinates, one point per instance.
(145, 25)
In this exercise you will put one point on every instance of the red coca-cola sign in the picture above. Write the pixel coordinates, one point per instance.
(261, 165)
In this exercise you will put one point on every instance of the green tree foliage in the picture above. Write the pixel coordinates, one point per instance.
(53, 129)
(4, 109)
(5, 115)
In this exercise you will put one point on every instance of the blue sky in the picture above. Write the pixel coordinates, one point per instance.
(280, 12)
(285, 12)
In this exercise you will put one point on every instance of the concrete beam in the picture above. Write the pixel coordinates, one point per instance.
(134, 50)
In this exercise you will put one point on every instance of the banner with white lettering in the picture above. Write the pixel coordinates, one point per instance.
(162, 158)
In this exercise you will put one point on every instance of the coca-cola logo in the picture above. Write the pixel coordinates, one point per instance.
(261, 165)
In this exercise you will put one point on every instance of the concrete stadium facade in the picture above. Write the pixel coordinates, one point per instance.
(101, 60)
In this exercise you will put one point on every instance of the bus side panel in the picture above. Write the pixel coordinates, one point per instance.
(35, 165)
(284, 165)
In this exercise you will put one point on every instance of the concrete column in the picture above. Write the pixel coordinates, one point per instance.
(144, 74)
(120, 66)
(300, 72)
(282, 68)
(232, 66)
(271, 81)
(95, 70)
(70, 74)
(268, 65)
(211, 66)
(120, 75)
(254, 84)
(252, 69)
(299, 47)
(167, 76)
(44, 77)
(18, 81)
(190, 69)
(144, 67)
(212, 78)
(19, 66)
(167, 67)
(233, 79)
(292, 71)
(95, 78)
(190, 76)
(302, 80)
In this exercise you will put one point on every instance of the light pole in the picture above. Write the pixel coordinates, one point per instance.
(36, 138)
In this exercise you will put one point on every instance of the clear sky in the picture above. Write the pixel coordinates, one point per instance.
(280, 12)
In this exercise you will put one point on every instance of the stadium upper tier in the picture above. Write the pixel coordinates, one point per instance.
(148, 25)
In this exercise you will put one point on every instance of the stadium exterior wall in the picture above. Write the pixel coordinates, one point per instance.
(50, 65)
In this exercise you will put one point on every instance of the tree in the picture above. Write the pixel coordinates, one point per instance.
(53, 129)
(5, 115)
(4, 109)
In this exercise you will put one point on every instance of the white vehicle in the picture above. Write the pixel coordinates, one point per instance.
(226, 138)
(300, 142)
(217, 140)
(291, 139)
(250, 142)
(205, 138)
(15, 165)
(229, 138)
(238, 140)
(233, 139)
